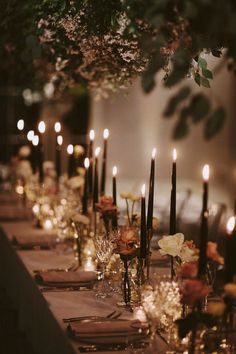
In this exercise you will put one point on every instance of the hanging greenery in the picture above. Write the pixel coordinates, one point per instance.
(105, 45)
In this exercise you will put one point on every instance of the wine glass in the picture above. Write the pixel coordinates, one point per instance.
(104, 248)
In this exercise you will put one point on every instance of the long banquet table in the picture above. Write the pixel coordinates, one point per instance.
(41, 314)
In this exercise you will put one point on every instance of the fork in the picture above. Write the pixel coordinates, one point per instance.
(113, 315)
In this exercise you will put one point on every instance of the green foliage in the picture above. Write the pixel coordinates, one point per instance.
(168, 35)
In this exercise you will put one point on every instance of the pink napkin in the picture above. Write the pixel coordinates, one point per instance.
(35, 239)
(55, 278)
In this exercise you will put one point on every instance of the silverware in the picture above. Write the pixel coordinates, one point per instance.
(110, 347)
(113, 315)
(55, 289)
(73, 267)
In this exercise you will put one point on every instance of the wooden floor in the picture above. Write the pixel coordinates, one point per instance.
(12, 340)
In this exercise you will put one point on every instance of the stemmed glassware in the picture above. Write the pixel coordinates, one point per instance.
(104, 248)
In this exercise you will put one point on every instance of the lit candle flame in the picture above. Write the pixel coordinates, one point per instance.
(70, 149)
(174, 155)
(206, 173)
(114, 171)
(154, 151)
(86, 162)
(92, 135)
(105, 133)
(143, 189)
(20, 124)
(42, 127)
(230, 224)
(57, 127)
(59, 140)
(97, 151)
(30, 135)
(35, 140)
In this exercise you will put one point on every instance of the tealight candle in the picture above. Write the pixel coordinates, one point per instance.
(204, 223)
(89, 265)
(104, 161)
(48, 224)
(139, 314)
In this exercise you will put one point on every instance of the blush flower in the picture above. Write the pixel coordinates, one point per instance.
(189, 252)
(193, 290)
(213, 254)
(188, 270)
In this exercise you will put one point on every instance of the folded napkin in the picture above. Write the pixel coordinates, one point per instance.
(13, 213)
(35, 239)
(106, 330)
(65, 279)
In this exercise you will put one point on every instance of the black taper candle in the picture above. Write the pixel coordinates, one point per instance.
(85, 194)
(114, 195)
(230, 251)
(58, 155)
(143, 228)
(151, 192)
(90, 155)
(104, 162)
(202, 263)
(41, 129)
(95, 180)
(70, 163)
(41, 160)
(172, 225)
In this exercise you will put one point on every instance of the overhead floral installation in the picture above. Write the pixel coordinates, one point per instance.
(105, 45)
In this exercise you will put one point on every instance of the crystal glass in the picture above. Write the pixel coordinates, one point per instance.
(104, 249)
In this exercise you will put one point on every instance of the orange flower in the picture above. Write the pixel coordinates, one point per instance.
(193, 290)
(105, 205)
(213, 254)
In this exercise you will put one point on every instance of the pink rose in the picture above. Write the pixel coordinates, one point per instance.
(188, 270)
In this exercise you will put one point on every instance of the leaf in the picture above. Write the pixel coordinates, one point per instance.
(176, 100)
(199, 107)
(214, 123)
(205, 82)
(148, 82)
(202, 63)
(180, 131)
(197, 79)
(207, 73)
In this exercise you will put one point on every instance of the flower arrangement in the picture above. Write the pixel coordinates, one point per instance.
(108, 211)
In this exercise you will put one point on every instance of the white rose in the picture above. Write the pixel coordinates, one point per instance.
(171, 244)
(187, 254)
